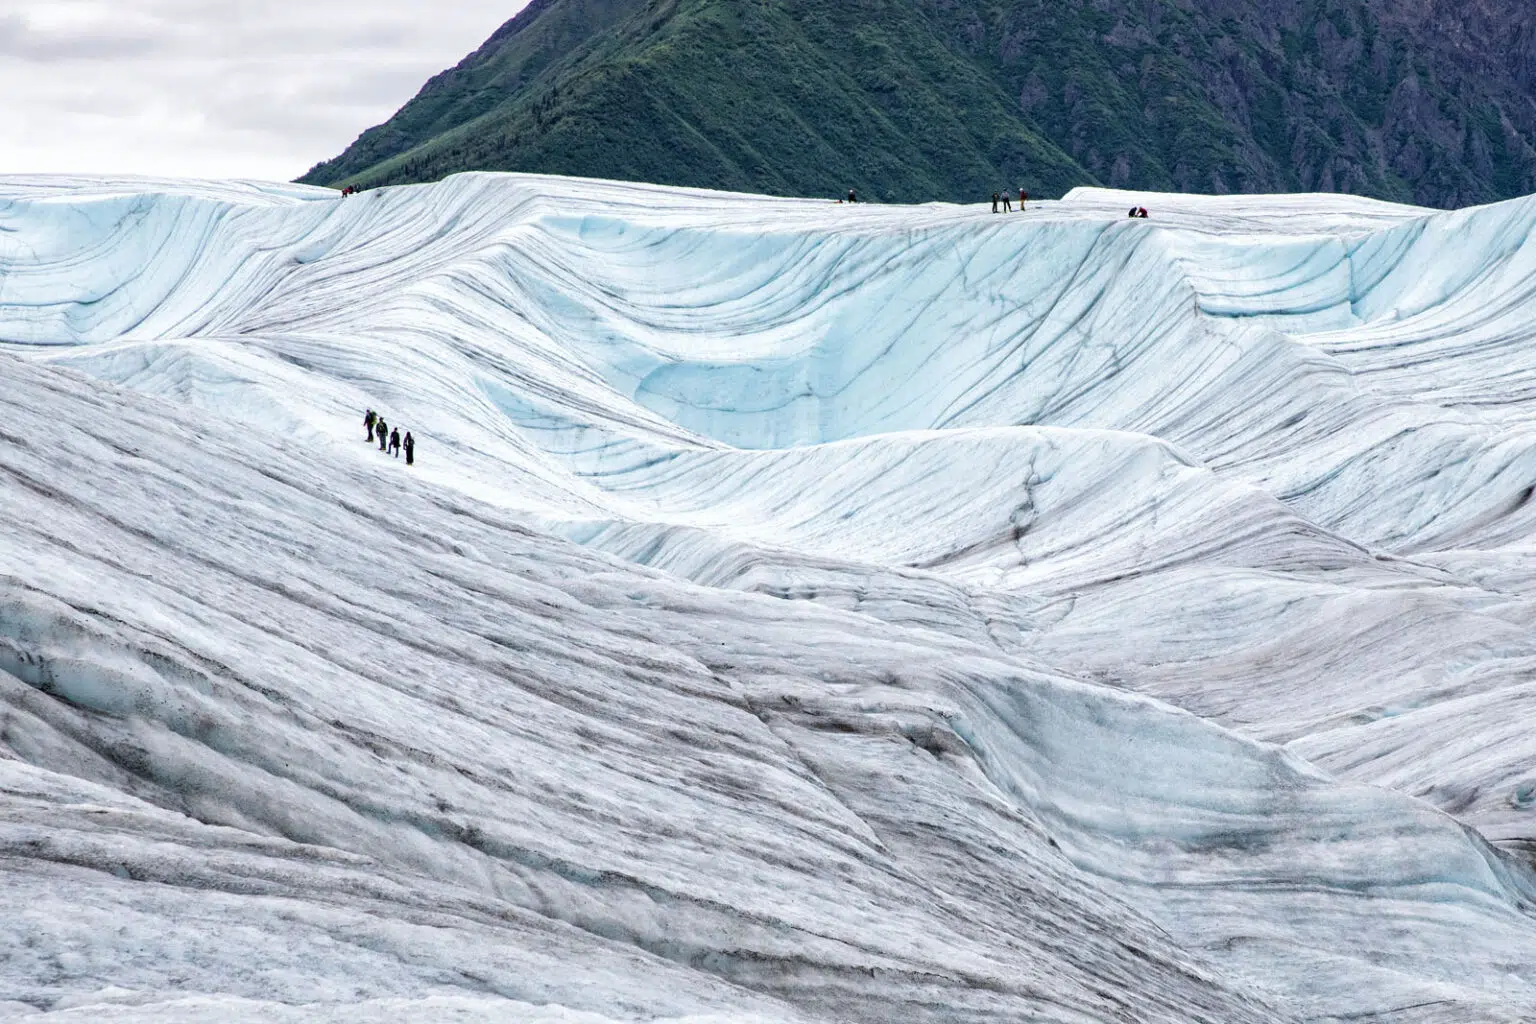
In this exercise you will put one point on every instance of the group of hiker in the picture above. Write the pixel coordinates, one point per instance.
(389, 439)
(1007, 202)
(1002, 202)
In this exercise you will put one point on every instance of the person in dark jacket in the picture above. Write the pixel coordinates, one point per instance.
(1023, 198)
(995, 198)
(394, 442)
(382, 429)
(851, 197)
(410, 449)
(368, 421)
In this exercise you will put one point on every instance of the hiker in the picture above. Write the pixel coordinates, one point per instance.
(394, 442)
(410, 449)
(852, 198)
(382, 429)
(1134, 213)
(1007, 203)
(1141, 211)
(368, 421)
(1023, 198)
(994, 202)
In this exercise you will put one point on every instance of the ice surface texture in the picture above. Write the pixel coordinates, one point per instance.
(797, 611)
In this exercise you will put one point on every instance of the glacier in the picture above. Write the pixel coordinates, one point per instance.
(798, 611)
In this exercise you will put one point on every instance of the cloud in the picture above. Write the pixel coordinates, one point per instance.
(259, 88)
(21, 41)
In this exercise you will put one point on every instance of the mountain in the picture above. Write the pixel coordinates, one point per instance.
(795, 612)
(909, 100)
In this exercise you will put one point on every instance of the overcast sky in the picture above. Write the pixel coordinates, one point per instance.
(216, 88)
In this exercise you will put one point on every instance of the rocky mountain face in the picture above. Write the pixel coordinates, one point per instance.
(1423, 101)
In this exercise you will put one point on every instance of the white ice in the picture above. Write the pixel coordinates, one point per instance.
(798, 611)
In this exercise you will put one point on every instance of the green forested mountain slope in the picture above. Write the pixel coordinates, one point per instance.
(952, 99)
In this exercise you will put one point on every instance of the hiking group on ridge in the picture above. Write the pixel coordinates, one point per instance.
(1002, 199)
(389, 440)
(1007, 202)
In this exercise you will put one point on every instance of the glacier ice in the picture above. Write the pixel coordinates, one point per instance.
(798, 611)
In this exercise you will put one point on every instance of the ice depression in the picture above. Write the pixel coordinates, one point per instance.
(798, 611)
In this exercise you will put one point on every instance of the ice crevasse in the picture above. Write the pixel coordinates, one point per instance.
(798, 610)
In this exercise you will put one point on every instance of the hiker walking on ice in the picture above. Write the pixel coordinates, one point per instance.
(994, 202)
(394, 442)
(410, 449)
(382, 429)
(369, 420)
(1007, 203)
(852, 198)
(1023, 198)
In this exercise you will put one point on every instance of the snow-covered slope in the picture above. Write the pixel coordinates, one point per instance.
(797, 611)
